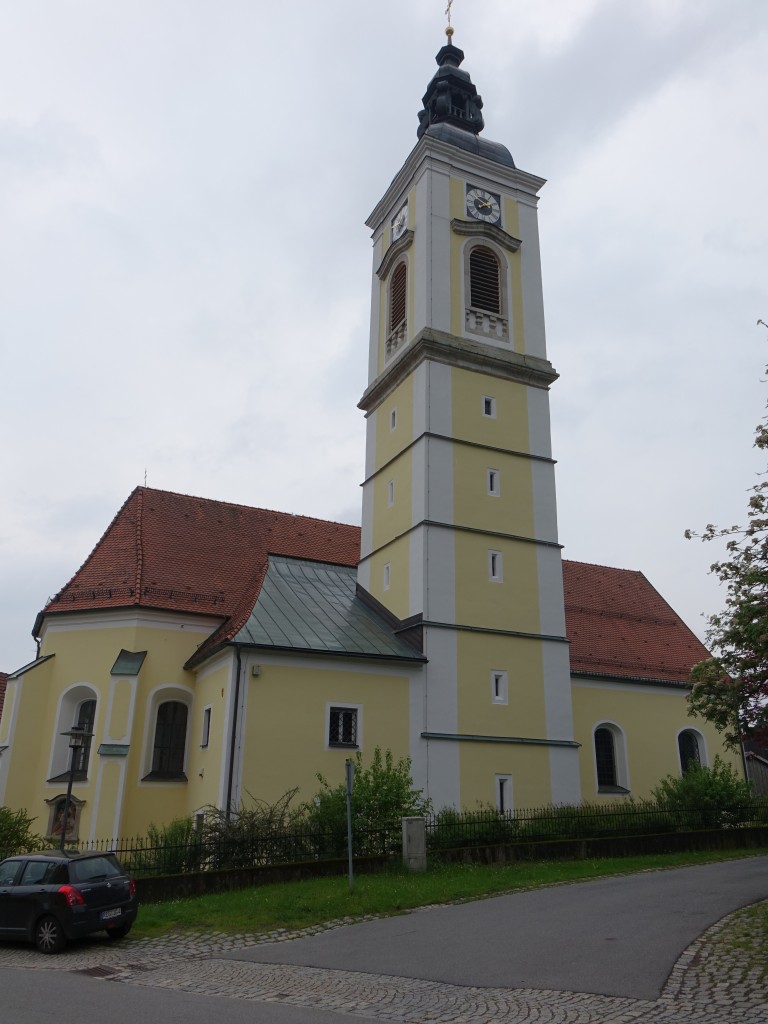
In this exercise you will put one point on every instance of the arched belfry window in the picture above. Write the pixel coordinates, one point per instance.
(398, 297)
(484, 284)
(486, 300)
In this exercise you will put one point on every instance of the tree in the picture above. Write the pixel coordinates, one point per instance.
(16, 835)
(730, 689)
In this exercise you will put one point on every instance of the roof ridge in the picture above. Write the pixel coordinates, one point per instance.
(139, 544)
(247, 508)
(599, 565)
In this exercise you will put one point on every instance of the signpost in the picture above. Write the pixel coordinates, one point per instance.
(349, 766)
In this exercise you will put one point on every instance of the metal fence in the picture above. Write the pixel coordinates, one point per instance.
(447, 830)
(454, 830)
(144, 857)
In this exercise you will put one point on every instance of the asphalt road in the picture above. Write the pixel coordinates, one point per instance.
(615, 936)
(58, 997)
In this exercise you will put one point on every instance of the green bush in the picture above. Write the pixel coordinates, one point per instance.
(16, 835)
(452, 829)
(258, 833)
(174, 848)
(382, 794)
(707, 797)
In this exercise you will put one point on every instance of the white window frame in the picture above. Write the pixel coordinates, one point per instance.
(499, 686)
(493, 480)
(489, 407)
(619, 754)
(161, 695)
(503, 797)
(340, 705)
(66, 716)
(495, 567)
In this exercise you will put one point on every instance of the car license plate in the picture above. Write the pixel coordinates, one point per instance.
(107, 915)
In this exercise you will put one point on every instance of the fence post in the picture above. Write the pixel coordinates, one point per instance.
(415, 844)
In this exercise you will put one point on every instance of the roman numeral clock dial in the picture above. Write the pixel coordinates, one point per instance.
(482, 205)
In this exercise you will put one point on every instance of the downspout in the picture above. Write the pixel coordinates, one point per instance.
(233, 738)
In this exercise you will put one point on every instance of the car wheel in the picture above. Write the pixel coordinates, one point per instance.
(120, 932)
(49, 935)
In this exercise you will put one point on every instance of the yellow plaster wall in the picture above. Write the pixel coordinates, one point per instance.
(511, 511)
(391, 521)
(512, 604)
(213, 690)
(286, 748)
(481, 654)
(650, 718)
(397, 598)
(390, 442)
(85, 656)
(528, 766)
(508, 430)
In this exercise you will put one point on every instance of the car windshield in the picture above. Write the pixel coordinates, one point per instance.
(90, 869)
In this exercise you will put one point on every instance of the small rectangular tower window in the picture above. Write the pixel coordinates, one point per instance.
(499, 687)
(387, 574)
(391, 492)
(489, 407)
(206, 727)
(494, 482)
(494, 566)
(393, 419)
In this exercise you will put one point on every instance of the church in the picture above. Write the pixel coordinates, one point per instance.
(214, 653)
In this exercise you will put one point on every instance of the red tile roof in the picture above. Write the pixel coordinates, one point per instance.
(619, 625)
(180, 553)
(3, 681)
(175, 552)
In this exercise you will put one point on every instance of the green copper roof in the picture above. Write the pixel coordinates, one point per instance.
(310, 606)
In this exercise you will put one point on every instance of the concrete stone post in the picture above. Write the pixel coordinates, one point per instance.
(415, 844)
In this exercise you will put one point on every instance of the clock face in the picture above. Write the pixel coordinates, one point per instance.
(400, 222)
(483, 205)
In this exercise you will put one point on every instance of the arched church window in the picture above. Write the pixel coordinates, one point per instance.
(688, 748)
(605, 758)
(170, 740)
(397, 296)
(484, 280)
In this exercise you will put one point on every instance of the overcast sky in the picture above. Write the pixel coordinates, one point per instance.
(185, 268)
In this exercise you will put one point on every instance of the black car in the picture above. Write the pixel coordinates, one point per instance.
(48, 898)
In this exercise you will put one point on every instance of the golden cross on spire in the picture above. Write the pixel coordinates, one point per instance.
(448, 12)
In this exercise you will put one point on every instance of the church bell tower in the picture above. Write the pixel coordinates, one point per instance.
(459, 538)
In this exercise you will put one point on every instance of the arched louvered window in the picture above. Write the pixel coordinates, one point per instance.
(605, 757)
(484, 280)
(688, 746)
(170, 740)
(397, 296)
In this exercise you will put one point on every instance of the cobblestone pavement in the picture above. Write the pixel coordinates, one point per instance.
(722, 978)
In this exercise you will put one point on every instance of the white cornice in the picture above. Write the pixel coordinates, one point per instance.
(129, 618)
(520, 184)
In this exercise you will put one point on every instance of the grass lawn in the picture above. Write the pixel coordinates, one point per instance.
(294, 905)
